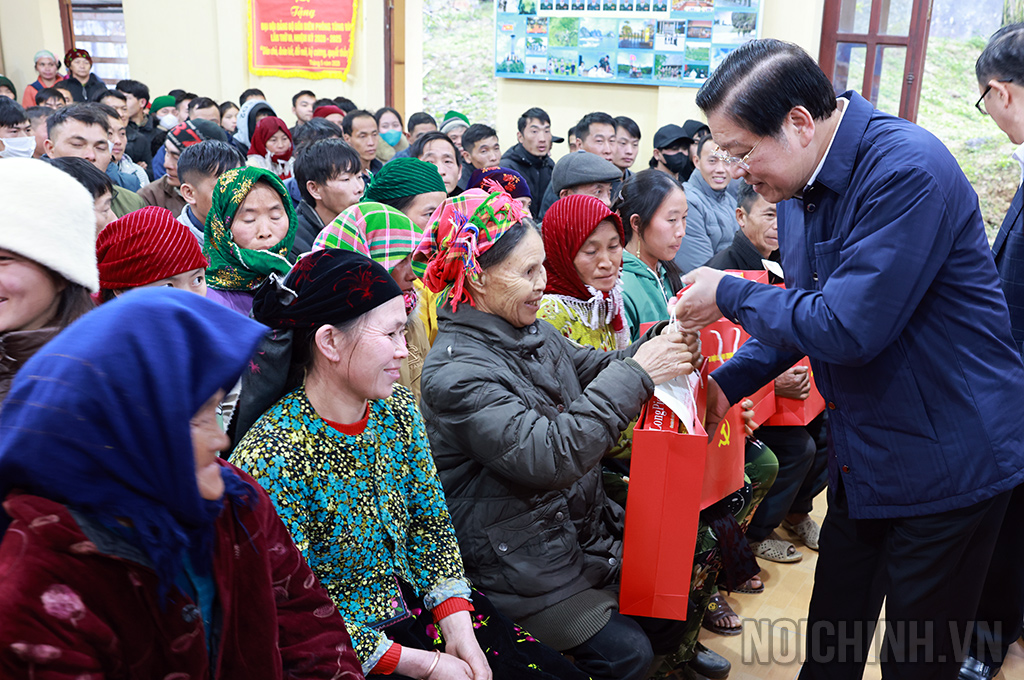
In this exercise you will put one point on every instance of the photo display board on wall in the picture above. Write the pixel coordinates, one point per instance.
(636, 42)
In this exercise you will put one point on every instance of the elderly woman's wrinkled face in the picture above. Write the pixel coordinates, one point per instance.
(512, 289)
(208, 440)
(368, 358)
(600, 257)
(261, 221)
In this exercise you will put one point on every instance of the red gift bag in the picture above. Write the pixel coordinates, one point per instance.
(790, 412)
(720, 341)
(673, 476)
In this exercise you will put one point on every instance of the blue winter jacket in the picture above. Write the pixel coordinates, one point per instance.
(893, 293)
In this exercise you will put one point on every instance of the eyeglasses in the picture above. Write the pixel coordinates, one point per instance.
(981, 99)
(730, 161)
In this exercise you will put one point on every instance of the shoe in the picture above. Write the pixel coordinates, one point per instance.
(718, 611)
(807, 529)
(972, 669)
(775, 549)
(709, 664)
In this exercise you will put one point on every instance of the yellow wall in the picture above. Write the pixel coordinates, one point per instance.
(797, 21)
(27, 26)
(202, 45)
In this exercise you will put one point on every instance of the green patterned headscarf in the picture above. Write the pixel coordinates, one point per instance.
(232, 267)
(382, 233)
(403, 177)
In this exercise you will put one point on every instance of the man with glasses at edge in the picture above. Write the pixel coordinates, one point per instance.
(893, 293)
(1001, 608)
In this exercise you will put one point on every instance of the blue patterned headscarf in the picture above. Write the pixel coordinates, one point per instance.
(99, 418)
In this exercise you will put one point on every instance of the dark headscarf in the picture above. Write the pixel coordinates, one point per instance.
(509, 181)
(99, 418)
(330, 287)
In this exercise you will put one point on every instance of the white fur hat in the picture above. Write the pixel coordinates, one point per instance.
(47, 217)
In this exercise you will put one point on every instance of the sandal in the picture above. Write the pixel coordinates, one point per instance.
(776, 550)
(718, 611)
(807, 530)
(749, 587)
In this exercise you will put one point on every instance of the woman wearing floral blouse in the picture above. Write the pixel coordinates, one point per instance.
(346, 460)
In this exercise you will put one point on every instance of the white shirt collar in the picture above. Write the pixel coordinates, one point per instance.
(844, 104)
(1018, 155)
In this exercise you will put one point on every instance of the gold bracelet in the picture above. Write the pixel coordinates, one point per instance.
(433, 665)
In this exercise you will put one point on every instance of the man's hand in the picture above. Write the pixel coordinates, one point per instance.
(794, 383)
(696, 306)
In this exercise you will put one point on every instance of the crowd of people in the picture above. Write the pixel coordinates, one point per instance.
(408, 360)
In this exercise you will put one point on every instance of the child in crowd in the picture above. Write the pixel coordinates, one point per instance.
(199, 166)
(147, 249)
(99, 185)
(327, 174)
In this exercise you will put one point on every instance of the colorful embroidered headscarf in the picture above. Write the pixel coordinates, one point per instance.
(378, 231)
(440, 224)
(233, 267)
(461, 239)
(510, 181)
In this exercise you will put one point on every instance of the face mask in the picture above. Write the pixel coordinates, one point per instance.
(391, 136)
(19, 147)
(675, 162)
(169, 121)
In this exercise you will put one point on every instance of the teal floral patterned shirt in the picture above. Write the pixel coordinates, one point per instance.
(365, 510)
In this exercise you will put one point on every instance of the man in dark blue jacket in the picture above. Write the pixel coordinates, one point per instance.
(893, 293)
(1000, 71)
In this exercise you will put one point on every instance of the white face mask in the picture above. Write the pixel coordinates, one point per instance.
(18, 147)
(169, 121)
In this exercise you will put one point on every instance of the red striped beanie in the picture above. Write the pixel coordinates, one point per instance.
(144, 246)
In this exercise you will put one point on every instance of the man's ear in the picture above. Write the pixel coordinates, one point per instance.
(519, 137)
(741, 217)
(188, 192)
(466, 157)
(802, 122)
(48, 147)
(563, 193)
(314, 190)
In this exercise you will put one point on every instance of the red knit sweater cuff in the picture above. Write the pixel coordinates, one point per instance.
(389, 662)
(450, 606)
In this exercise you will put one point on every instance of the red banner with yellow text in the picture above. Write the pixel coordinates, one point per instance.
(301, 38)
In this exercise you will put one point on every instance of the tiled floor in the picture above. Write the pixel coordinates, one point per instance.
(773, 630)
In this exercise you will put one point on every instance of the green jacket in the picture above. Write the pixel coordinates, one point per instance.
(125, 201)
(646, 301)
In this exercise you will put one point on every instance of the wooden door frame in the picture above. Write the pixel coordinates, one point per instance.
(389, 53)
(915, 42)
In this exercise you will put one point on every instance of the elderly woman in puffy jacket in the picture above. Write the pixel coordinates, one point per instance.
(519, 419)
